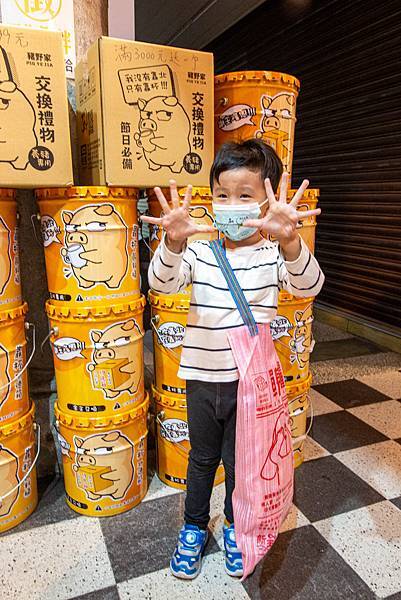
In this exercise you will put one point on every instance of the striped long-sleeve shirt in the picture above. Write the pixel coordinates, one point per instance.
(261, 271)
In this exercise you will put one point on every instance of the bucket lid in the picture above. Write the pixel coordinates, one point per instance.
(287, 298)
(7, 194)
(89, 192)
(19, 424)
(168, 400)
(178, 302)
(13, 313)
(258, 77)
(88, 420)
(298, 388)
(63, 311)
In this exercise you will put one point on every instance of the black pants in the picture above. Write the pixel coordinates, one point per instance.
(212, 411)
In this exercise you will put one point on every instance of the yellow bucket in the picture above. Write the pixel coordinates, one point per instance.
(14, 394)
(292, 335)
(200, 210)
(18, 489)
(104, 460)
(172, 441)
(90, 237)
(257, 104)
(10, 279)
(98, 357)
(298, 404)
(169, 320)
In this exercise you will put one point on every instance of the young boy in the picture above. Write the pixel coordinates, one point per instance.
(243, 179)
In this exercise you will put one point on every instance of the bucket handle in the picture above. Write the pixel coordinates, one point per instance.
(36, 428)
(174, 355)
(302, 438)
(167, 433)
(52, 331)
(28, 362)
(35, 219)
(144, 239)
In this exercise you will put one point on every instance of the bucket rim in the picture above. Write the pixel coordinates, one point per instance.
(88, 421)
(196, 191)
(7, 194)
(63, 312)
(18, 425)
(168, 301)
(86, 192)
(167, 400)
(257, 76)
(301, 387)
(13, 313)
(287, 298)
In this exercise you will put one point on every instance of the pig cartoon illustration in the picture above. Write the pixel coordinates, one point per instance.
(164, 130)
(8, 480)
(114, 348)
(275, 122)
(95, 245)
(302, 342)
(17, 118)
(5, 258)
(4, 376)
(108, 458)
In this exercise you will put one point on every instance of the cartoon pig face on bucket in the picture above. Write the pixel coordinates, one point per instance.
(17, 118)
(116, 346)
(115, 453)
(302, 343)
(164, 129)
(95, 245)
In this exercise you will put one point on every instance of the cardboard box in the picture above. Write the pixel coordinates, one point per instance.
(145, 115)
(34, 127)
(92, 478)
(107, 375)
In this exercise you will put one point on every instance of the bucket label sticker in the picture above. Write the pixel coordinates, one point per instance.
(18, 365)
(26, 465)
(5, 255)
(4, 376)
(15, 248)
(104, 465)
(301, 343)
(236, 116)
(171, 334)
(280, 327)
(174, 430)
(68, 348)
(8, 480)
(95, 246)
(278, 116)
(49, 230)
(113, 368)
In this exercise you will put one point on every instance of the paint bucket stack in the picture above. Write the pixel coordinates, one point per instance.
(95, 311)
(18, 456)
(169, 319)
(262, 105)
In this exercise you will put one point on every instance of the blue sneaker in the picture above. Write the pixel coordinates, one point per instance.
(186, 561)
(234, 566)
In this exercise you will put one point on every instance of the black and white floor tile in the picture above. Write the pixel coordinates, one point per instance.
(342, 540)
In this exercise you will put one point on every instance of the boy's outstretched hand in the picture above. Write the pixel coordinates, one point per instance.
(281, 219)
(176, 221)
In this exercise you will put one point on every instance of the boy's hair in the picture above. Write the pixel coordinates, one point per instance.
(252, 154)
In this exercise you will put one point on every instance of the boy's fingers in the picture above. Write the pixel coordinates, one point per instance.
(187, 198)
(253, 223)
(269, 191)
(299, 193)
(303, 214)
(162, 200)
(283, 188)
(205, 229)
(153, 220)
(175, 199)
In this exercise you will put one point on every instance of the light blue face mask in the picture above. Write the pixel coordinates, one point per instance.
(229, 219)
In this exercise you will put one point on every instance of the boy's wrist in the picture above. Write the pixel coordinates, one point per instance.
(291, 247)
(173, 245)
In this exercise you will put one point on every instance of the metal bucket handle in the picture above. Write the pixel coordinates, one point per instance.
(28, 362)
(36, 218)
(173, 354)
(166, 431)
(52, 331)
(36, 428)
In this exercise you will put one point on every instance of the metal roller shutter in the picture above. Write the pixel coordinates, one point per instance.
(348, 136)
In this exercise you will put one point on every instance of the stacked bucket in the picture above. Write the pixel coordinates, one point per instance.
(18, 454)
(95, 311)
(262, 105)
(169, 319)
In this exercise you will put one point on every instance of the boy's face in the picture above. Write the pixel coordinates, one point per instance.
(239, 186)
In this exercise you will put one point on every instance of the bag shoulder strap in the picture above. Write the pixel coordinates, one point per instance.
(234, 287)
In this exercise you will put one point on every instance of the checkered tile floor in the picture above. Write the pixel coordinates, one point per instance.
(342, 539)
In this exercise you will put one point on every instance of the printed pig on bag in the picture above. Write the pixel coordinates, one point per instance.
(264, 469)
